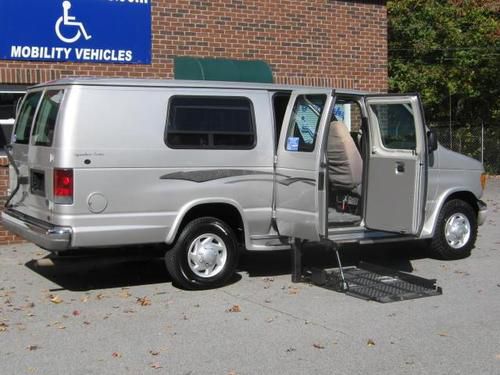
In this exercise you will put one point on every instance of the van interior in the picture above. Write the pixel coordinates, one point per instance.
(345, 156)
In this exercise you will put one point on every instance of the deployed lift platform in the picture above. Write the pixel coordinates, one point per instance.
(367, 281)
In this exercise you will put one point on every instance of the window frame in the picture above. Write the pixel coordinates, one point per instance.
(211, 145)
(18, 117)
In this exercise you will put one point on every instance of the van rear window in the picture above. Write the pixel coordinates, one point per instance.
(46, 117)
(25, 120)
(210, 123)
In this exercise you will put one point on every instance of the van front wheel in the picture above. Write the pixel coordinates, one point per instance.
(204, 256)
(456, 231)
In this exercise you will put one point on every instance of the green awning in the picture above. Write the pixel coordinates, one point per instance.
(207, 69)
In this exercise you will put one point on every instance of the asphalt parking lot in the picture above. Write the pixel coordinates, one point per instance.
(123, 316)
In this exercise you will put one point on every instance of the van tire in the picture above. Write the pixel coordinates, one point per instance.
(204, 256)
(456, 231)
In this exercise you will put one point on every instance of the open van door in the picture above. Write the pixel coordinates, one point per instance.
(397, 164)
(301, 189)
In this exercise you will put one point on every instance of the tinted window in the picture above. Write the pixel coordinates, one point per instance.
(397, 125)
(26, 114)
(8, 101)
(210, 122)
(46, 117)
(304, 123)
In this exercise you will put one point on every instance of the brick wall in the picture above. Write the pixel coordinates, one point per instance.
(316, 42)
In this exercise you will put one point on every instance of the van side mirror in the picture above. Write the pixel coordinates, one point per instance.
(432, 141)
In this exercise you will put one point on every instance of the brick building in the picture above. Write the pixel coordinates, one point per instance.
(317, 42)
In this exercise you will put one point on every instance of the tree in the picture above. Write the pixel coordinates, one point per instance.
(449, 51)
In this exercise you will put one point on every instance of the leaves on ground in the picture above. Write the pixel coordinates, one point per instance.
(116, 355)
(76, 312)
(318, 346)
(234, 309)
(32, 347)
(155, 365)
(54, 298)
(124, 293)
(144, 301)
(3, 327)
(443, 334)
(370, 343)
(154, 352)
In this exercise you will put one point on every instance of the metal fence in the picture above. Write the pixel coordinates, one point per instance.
(481, 143)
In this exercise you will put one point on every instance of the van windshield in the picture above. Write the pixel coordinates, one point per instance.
(46, 117)
(25, 120)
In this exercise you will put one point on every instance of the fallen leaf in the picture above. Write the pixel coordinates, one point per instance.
(443, 334)
(155, 365)
(292, 290)
(232, 372)
(3, 327)
(234, 309)
(100, 296)
(289, 350)
(55, 299)
(498, 356)
(116, 355)
(144, 301)
(318, 346)
(84, 299)
(30, 305)
(124, 293)
(86, 322)
(32, 347)
(76, 313)
(370, 342)
(154, 353)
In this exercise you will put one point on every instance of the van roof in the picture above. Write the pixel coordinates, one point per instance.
(132, 82)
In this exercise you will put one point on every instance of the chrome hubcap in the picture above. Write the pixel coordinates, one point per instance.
(457, 230)
(207, 255)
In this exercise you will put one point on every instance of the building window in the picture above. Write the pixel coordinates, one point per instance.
(210, 123)
(8, 103)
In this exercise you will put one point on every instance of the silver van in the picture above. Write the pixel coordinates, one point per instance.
(208, 168)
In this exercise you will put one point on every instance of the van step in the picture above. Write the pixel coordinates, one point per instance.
(373, 282)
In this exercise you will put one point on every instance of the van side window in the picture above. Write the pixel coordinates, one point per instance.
(210, 123)
(397, 125)
(46, 117)
(304, 123)
(25, 120)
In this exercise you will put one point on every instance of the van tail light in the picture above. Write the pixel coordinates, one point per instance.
(63, 186)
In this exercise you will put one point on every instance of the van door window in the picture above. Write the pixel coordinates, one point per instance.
(210, 123)
(46, 117)
(26, 115)
(397, 125)
(304, 121)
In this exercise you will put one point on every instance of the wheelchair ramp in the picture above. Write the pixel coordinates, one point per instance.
(372, 282)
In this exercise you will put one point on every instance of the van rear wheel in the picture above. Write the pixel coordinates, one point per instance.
(204, 256)
(456, 231)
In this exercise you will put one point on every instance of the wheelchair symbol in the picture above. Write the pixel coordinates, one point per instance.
(68, 20)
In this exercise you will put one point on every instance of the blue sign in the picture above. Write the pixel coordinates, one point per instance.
(109, 31)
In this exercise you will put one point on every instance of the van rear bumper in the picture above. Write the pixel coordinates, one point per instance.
(41, 233)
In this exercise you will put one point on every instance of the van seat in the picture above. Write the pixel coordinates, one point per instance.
(345, 165)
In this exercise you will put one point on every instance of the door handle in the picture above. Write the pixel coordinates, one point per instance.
(400, 167)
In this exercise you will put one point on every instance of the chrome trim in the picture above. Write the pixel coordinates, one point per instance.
(46, 235)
